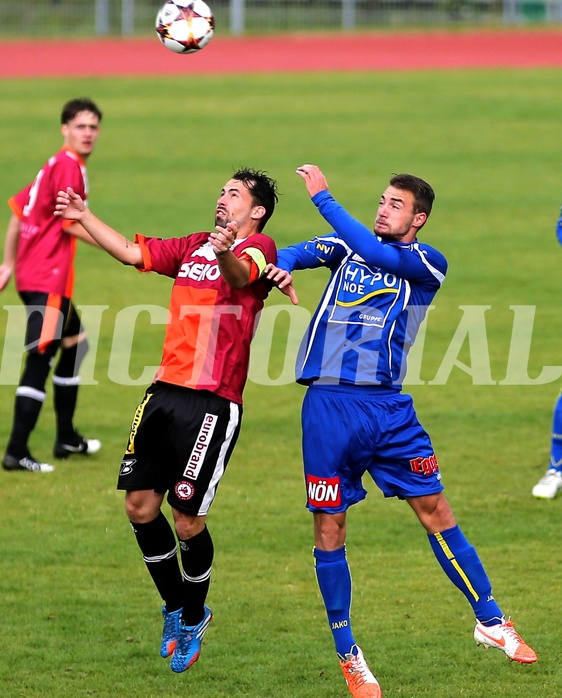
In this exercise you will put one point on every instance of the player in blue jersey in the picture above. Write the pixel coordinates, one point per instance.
(551, 483)
(353, 360)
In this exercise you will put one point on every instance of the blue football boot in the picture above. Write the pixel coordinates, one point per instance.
(188, 647)
(171, 631)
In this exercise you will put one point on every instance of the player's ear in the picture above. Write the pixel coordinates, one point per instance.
(258, 212)
(419, 219)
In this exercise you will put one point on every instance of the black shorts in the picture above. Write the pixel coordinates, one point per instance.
(50, 318)
(180, 442)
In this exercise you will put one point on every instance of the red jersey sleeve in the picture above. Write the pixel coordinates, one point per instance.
(17, 202)
(163, 256)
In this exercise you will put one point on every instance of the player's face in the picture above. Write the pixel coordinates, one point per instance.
(396, 219)
(81, 133)
(236, 204)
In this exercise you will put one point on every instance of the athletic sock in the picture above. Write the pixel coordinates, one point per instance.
(461, 564)
(30, 396)
(66, 380)
(197, 560)
(65, 396)
(157, 542)
(334, 581)
(556, 445)
(26, 413)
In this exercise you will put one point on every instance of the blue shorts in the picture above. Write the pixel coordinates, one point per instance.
(350, 430)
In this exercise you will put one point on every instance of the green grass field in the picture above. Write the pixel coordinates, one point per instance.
(80, 616)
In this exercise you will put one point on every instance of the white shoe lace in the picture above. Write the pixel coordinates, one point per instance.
(509, 630)
(360, 672)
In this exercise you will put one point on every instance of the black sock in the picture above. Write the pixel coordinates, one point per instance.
(65, 382)
(30, 395)
(197, 560)
(64, 401)
(157, 542)
(26, 413)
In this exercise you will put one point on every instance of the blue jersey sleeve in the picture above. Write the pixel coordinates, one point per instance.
(559, 228)
(321, 251)
(389, 257)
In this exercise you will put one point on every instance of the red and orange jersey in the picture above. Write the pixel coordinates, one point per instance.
(45, 258)
(210, 324)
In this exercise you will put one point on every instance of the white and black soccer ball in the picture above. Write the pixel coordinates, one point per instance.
(185, 26)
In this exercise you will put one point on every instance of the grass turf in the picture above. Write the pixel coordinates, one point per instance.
(80, 615)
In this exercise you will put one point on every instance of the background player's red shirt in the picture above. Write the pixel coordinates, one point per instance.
(211, 325)
(45, 258)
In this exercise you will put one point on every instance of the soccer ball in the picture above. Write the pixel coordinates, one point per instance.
(185, 26)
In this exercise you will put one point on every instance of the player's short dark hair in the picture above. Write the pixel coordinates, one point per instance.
(75, 106)
(262, 188)
(424, 196)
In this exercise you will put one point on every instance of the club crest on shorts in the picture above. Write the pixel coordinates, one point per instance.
(184, 490)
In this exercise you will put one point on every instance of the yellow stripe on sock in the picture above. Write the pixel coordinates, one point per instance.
(449, 554)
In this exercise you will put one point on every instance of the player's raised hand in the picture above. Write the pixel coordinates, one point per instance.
(69, 205)
(313, 178)
(223, 239)
(283, 280)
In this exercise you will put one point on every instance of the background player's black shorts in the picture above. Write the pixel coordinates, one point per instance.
(180, 442)
(50, 318)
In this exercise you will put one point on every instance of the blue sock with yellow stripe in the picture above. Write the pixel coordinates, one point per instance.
(461, 564)
(334, 581)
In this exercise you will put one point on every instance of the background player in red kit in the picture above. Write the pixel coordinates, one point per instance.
(185, 428)
(40, 247)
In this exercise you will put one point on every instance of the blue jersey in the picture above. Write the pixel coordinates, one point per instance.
(372, 307)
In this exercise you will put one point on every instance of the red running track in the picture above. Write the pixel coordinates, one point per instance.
(404, 51)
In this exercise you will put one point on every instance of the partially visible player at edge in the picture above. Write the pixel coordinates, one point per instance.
(40, 248)
(186, 427)
(550, 483)
(353, 360)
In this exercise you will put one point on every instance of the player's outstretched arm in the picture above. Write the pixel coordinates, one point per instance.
(78, 231)
(350, 230)
(70, 206)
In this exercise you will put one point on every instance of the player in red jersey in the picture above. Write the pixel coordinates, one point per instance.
(40, 248)
(187, 424)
